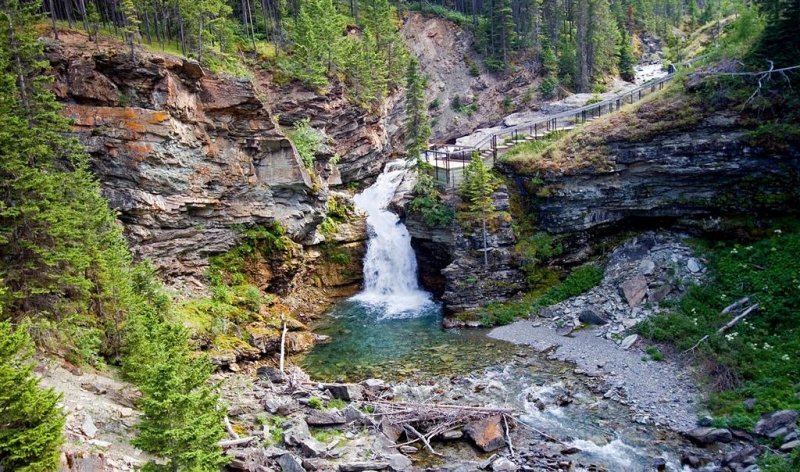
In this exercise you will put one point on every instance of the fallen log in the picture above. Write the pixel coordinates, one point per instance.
(727, 325)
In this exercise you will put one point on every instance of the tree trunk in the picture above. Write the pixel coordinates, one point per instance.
(53, 18)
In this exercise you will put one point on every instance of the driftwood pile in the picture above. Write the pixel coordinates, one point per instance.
(422, 422)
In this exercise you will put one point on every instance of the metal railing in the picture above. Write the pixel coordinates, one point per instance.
(448, 161)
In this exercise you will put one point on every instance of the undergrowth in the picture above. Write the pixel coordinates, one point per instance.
(758, 358)
(580, 280)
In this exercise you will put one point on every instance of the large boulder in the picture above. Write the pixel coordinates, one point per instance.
(773, 423)
(487, 433)
(706, 435)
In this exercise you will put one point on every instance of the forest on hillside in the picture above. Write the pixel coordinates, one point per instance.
(576, 44)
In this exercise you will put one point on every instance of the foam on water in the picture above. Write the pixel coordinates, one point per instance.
(390, 266)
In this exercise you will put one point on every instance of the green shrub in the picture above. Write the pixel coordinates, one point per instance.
(337, 404)
(549, 87)
(31, 419)
(654, 353)
(181, 416)
(428, 203)
(306, 140)
(577, 282)
(315, 403)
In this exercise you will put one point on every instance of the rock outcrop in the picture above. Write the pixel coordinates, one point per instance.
(691, 178)
(188, 158)
(451, 260)
(183, 155)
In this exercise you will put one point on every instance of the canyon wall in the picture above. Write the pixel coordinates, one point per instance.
(189, 158)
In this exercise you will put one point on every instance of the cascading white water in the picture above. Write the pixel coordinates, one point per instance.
(390, 266)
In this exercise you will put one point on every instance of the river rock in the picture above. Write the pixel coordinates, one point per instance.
(325, 418)
(634, 290)
(742, 457)
(352, 414)
(647, 266)
(501, 464)
(272, 373)
(790, 446)
(487, 433)
(628, 341)
(399, 462)
(363, 466)
(772, 422)
(311, 447)
(295, 431)
(706, 435)
(347, 392)
(591, 318)
(290, 463)
(659, 293)
(452, 435)
(88, 428)
(694, 265)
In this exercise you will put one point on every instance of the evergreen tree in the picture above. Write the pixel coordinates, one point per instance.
(477, 188)
(31, 423)
(182, 418)
(55, 227)
(131, 24)
(417, 128)
(626, 59)
(603, 40)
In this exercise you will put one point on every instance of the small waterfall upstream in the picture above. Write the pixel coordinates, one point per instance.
(390, 266)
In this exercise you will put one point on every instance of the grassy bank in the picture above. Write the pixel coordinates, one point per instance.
(759, 358)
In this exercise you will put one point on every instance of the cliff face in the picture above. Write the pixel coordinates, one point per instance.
(695, 178)
(189, 157)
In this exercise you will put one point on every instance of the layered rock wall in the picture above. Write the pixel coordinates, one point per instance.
(696, 179)
(189, 158)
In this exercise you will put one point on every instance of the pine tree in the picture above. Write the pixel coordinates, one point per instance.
(626, 59)
(417, 128)
(477, 188)
(132, 23)
(182, 418)
(31, 423)
(603, 40)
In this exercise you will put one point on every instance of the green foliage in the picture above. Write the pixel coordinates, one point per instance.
(760, 357)
(442, 12)
(416, 126)
(549, 87)
(316, 403)
(32, 422)
(577, 282)
(62, 257)
(478, 186)
(306, 140)
(772, 462)
(181, 418)
(337, 404)
(533, 252)
(626, 58)
(427, 201)
(654, 353)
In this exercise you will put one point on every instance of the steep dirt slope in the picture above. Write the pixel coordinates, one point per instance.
(445, 52)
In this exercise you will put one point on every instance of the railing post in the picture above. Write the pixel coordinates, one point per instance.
(494, 148)
(535, 134)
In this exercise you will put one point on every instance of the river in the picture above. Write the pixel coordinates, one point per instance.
(392, 330)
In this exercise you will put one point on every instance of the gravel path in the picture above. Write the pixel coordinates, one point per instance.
(662, 392)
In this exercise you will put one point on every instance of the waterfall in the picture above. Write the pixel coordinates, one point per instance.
(390, 266)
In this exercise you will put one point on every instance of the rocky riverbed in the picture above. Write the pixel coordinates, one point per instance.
(592, 329)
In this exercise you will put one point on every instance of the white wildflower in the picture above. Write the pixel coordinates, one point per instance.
(785, 357)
